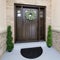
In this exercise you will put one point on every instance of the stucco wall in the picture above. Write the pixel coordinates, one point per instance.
(55, 17)
(2, 26)
(10, 10)
(2, 43)
(2, 15)
(56, 40)
(55, 14)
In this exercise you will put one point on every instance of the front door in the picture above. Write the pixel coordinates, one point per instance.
(28, 29)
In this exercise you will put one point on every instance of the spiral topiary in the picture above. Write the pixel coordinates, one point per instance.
(9, 42)
(49, 37)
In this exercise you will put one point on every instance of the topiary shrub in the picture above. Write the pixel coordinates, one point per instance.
(49, 37)
(9, 42)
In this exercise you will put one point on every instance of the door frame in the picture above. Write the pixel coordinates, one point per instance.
(32, 6)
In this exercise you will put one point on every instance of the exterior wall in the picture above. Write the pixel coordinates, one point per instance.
(2, 43)
(2, 26)
(56, 40)
(55, 17)
(10, 10)
(2, 15)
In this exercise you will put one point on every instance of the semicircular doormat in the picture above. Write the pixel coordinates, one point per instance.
(31, 53)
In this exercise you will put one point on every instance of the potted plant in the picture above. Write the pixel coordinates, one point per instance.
(9, 42)
(49, 36)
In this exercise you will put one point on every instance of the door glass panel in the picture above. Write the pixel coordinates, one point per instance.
(19, 13)
(41, 13)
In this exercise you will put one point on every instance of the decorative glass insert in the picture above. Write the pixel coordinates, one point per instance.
(18, 13)
(41, 13)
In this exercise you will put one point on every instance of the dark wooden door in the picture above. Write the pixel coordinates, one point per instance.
(29, 30)
(29, 27)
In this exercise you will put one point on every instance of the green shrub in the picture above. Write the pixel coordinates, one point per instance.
(49, 37)
(9, 42)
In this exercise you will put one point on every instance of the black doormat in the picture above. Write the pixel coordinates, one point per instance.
(32, 53)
